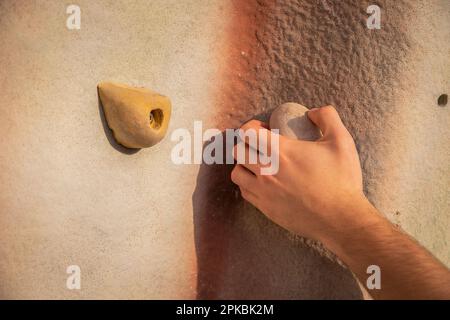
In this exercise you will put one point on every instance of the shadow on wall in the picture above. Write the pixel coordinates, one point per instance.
(243, 255)
(314, 53)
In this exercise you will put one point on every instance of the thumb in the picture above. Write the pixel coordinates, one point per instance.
(328, 120)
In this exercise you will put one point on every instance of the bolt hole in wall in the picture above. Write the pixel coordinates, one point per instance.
(156, 118)
(442, 100)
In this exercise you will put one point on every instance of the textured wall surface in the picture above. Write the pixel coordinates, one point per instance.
(68, 195)
(142, 227)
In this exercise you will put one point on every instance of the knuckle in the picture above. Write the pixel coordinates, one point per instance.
(234, 175)
(253, 122)
(250, 124)
(244, 193)
(345, 140)
(329, 110)
(246, 125)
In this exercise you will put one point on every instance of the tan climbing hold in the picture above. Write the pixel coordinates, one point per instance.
(291, 119)
(138, 117)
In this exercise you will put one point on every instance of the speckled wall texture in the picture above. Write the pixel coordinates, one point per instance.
(140, 226)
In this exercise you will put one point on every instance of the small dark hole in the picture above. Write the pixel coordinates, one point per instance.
(442, 100)
(156, 118)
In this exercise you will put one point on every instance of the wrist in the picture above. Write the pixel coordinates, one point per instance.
(351, 220)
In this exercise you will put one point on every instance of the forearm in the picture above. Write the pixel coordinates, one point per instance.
(318, 193)
(408, 271)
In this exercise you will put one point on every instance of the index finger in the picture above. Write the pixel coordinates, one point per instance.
(256, 134)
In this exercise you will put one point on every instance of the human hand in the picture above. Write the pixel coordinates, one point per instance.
(317, 182)
(317, 193)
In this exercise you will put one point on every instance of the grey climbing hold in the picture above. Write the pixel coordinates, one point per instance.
(291, 119)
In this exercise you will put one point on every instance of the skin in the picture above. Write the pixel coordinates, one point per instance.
(318, 193)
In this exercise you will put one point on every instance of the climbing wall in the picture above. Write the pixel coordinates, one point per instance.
(139, 226)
